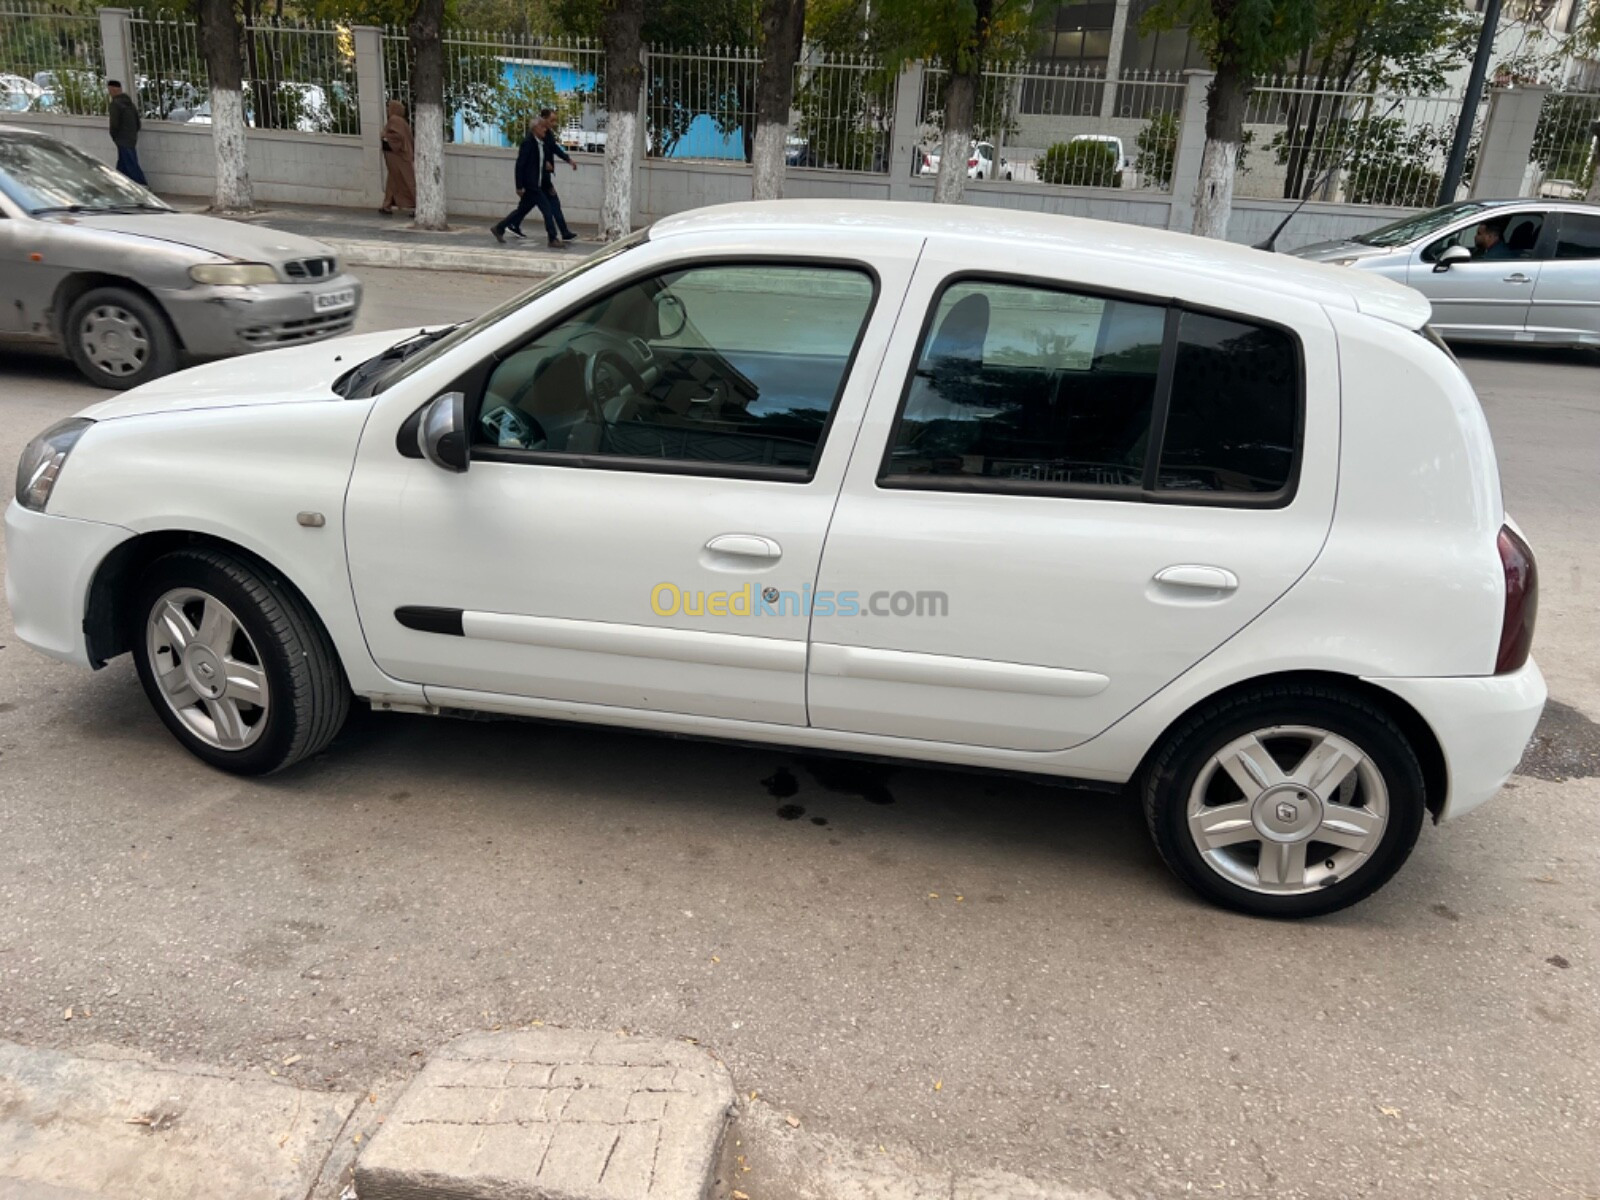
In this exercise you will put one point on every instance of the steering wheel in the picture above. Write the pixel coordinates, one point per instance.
(605, 372)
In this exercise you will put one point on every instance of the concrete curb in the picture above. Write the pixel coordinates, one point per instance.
(533, 263)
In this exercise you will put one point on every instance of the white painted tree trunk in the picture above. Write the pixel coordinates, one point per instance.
(1593, 195)
(616, 211)
(233, 192)
(428, 161)
(767, 161)
(1213, 199)
(951, 182)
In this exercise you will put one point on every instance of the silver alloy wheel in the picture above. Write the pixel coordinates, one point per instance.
(114, 339)
(208, 668)
(1286, 830)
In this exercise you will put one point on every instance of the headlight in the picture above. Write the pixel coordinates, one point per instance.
(233, 274)
(42, 461)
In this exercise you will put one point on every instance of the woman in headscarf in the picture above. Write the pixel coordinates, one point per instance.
(401, 188)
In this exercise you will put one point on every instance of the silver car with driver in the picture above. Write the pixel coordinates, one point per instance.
(1511, 271)
(129, 286)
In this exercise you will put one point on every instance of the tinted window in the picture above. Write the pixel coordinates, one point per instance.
(1232, 419)
(1029, 384)
(1579, 238)
(738, 366)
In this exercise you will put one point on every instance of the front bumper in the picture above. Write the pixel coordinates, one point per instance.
(50, 563)
(1483, 724)
(216, 321)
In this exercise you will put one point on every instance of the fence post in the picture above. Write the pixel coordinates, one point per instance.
(115, 49)
(372, 95)
(1507, 142)
(1191, 147)
(904, 133)
(1119, 34)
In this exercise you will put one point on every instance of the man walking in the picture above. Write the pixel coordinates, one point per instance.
(552, 151)
(530, 189)
(125, 131)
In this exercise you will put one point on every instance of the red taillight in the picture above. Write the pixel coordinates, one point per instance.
(972, 162)
(1522, 601)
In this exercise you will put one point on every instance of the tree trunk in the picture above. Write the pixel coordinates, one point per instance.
(427, 90)
(1225, 100)
(782, 26)
(220, 39)
(960, 99)
(623, 37)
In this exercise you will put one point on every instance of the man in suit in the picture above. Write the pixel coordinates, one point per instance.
(530, 188)
(552, 151)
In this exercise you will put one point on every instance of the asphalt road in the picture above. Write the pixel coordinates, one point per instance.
(965, 971)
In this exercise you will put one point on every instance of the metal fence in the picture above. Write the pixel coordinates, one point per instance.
(1310, 138)
(1054, 123)
(843, 113)
(701, 104)
(169, 71)
(50, 60)
(1562, 160)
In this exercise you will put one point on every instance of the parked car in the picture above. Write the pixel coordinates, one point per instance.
(20, 94)
(1035, 493)
(1539, 286)
(982, 162)
(128, 285)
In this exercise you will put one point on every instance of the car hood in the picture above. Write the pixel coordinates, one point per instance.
(238, 240)
(293, 376)
(1333, 251)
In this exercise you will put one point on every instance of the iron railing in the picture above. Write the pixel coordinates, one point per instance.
(50, 60)
(843, 113)
(701, 104)
(1562, 162)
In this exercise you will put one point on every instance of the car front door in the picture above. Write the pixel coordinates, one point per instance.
(1488, 297)
(1064, 497)
(1566, 300)
(652, 473)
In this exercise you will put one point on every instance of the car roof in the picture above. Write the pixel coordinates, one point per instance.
(1137, 245)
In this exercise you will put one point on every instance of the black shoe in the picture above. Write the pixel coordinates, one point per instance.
(499, 232)
(569, 236)
(515, 230)
(555, 244)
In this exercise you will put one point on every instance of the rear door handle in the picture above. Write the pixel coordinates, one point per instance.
(745, 545)
(1519, 277)
(1211, 579)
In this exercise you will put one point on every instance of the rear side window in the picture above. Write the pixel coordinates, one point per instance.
(1579, 237)
(1030, 388)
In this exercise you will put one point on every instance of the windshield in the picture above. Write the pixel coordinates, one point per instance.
(44, 176)
(1409, 229)
(460, 333)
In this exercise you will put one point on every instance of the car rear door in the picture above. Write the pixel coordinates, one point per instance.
(1008, 565)
(1566, 300)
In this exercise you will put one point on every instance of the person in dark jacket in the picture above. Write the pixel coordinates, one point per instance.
(125, 131)
(552, 151)
(530, 190)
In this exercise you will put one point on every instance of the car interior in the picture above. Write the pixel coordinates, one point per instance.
(1519, 231)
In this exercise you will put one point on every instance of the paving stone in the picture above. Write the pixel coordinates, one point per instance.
(574, 1115)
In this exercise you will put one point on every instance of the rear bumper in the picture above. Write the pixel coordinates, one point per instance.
(1483, 724)
(50, 563)
(216, 321)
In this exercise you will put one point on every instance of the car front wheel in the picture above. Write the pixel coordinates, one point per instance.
(1286, 801)
(119, 339)
(237, 667)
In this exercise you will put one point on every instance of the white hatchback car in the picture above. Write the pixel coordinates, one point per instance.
(1036, 494)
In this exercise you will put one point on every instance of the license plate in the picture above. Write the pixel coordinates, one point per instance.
(331, 301)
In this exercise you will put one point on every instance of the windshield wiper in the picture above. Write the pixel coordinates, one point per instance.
(352, 383)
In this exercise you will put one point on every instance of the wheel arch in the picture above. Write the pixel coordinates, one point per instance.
(108, 625)
(80, 283)
(1424, 742)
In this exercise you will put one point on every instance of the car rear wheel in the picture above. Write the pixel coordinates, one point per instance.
(234, 663)
(119, 339)
(1286, 801)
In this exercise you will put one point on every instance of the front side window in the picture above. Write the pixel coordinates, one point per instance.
(1579, 237)
(1497, 236)
(1037, 389)
(726, 366)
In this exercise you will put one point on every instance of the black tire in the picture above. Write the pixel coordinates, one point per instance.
(1176, 766)
(308, 696)
(158, 357)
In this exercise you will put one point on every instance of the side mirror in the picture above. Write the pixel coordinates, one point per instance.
(442, 432)
(1453, 254)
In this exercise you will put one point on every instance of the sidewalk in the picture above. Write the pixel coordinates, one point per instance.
(363, 238)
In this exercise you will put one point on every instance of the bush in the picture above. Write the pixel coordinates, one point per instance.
(1081, 164)
(1155, 148)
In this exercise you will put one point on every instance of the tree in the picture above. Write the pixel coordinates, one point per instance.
(782, 28)
(426, 33)
(221, 41)
(1242, 39)
(623, 36)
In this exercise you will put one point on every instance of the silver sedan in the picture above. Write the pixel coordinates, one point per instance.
(130, 286)
(1516, 271)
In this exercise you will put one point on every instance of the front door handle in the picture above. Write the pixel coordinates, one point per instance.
(745, 545)
(1518, 277)
(1210, 579)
